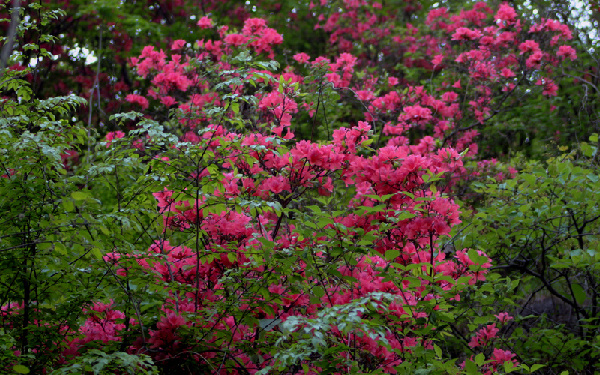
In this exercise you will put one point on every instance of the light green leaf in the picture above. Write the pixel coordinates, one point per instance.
(79, 195)
(479, 359)
(20, 369)
(509, 367)
(97, 252)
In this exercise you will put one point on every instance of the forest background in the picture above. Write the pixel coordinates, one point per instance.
(324, 187)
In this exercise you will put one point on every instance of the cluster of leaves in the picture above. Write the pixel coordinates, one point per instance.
(543, 226)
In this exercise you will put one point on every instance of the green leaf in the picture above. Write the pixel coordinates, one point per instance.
(536, 367)
(97, 252)
(509, 367)
(471, 367)
(60, 248)
(479, 359)
(20, 369)
(68, 205)
(392, 254)
(318, 291)
(587, 150)
(79, 195)
(579, 293)
(476, 258)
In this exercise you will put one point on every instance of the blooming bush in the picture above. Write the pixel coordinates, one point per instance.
(261, 217)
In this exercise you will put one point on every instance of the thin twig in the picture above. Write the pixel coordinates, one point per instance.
(95, 87)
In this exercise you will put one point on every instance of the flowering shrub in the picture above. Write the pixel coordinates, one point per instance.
(261, 217)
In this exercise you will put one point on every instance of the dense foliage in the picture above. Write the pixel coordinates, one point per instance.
(312, 188)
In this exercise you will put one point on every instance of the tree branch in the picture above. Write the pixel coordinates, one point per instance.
(12, 31)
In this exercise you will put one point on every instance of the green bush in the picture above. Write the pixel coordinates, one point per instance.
(542, 229)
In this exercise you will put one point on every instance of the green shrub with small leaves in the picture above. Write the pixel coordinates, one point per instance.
(542, 228)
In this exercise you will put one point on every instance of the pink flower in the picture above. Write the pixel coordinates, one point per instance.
(566, 52)
(534, 60)
(484, 336)
(172, 321)
(321, 61)
(253, 26)
(365, 95)
(463, 33)
(392, 81)
(500, 356)
(435, 14)
(346, 61)
(205, 23)
(147, 52)
(550, 88)
(113, 135)
(137, 99)
(505, 38)
(270, 36)
(168, 101)
(507, 73)
(529, 46)
(235, 39)
(178, 44)
(276, 185)
(139, 144)
(506, 13)
(449, 96)
(334, 78)
(437, 60)
(416, 114)
(503, 317)
(302, 57)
